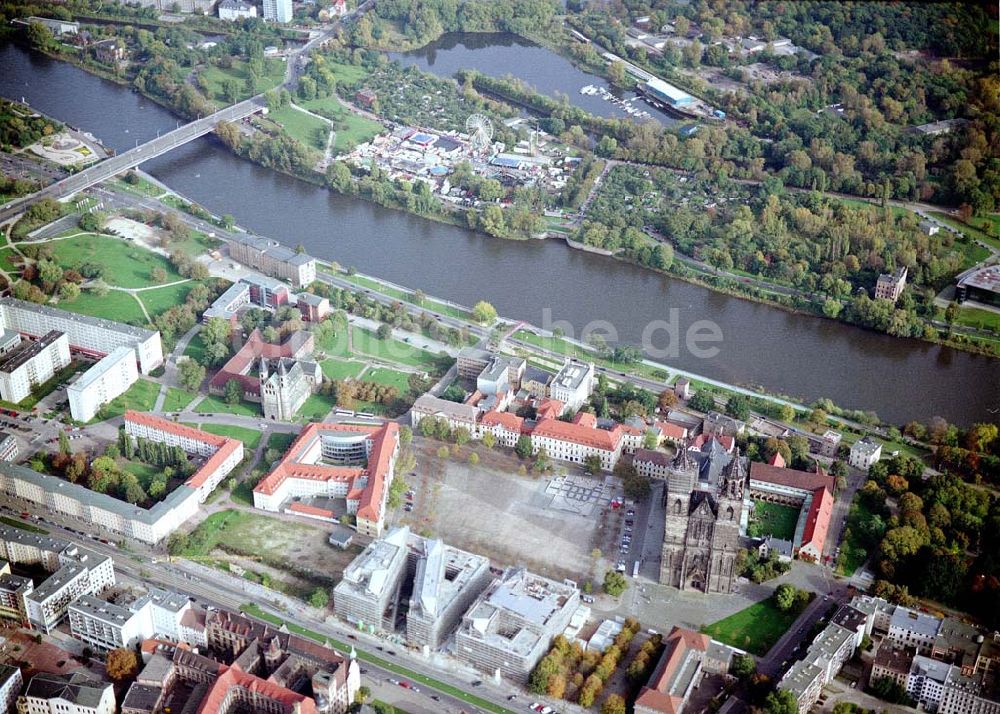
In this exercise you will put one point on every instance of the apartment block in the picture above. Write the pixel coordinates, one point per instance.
(268, 256)
(864, 453)
(8, 446)
(11, 682)
(90, 335)
(368, 594)
(73, 693)
(511, 624)
(109, 378)
(31, 364)
(573, 384)
(105, 626)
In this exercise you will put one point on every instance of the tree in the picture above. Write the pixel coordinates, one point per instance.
(743, 667)
(64, 445)
(405, 436)
(785, 596)
(523, 447)
(190, 374)
(787, 413)
(384, 331)
(473, 458)
(319, 598)
(234, 392)
(122, 664)
(614, 583)
(592, 463)
(158, 275)
(489, 441)
(363, 695)
(667, 400)
(39, 36)
(738, 407)
(781, 701)
(702, 401)
(461, 436)
(484, 313)
(614, 704)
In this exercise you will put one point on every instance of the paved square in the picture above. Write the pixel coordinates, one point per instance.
(578, 494)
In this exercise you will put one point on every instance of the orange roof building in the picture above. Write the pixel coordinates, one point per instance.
(677, 673)
(813, 492)
(346, 461)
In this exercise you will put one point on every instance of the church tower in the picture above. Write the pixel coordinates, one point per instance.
(726, 535)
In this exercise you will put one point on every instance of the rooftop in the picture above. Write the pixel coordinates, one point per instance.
(442, 574)
(373, 570)
(904, 618)
(96, 372)
(572, 375)
(137, 332)
(101, 610)
(57, 581)
(75, 688)
(27, 351)
(893, 658)
(800, 677)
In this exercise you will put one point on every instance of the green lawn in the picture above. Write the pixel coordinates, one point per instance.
(212, 77)
(141, 396)
(316, 407)
(754, 629)
(116, 305)
(162, 299)
(334, 368)
(773, 519)
(352, 128)
(6, 254)
(217, 405)
(255, 611)
(852, 550)
(302, 127)
(126, 264)
(388, 377)
(46, 388)
(978, 318)
(335, 345)
(14, 523)
(978, 230)
(245, 532)
(390, 350)
(196, 243)
(177, 399)
(249, 437)
(144, 472)
(196, 348)
(280, 440)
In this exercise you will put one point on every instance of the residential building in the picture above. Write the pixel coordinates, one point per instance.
(892, 662)
(49, 603)
(864, 453)
(652, 463)
(573, 384)
(105, 626)
(912, 628)
(109, 51)
(278, 10)
(222, 453)
(337, 461)
(536, 382)
(511, 624)
(826, 444)
(889, 286)
(9, 339)
(455, 414)
(11, 682)
(109, 378)
(928, 227)
(268, 256)
(805, 681)
(314, 308)
(232, 10)
(577, 440)
(718, 424)
(8, 447)
(687, 656)
(32, 363)
(89, 335)
(14, 591)
(73, 693)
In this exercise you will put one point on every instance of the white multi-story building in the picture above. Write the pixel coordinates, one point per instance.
(911, 628)
(278, 10)
(221, 454)
(864, 453)
(32, 363)
(50, 601)
(107, 379)
(577, 440)
(105, 626)
(10, 686)
(73, 693)
(573, 384)
(90, 335)
(8, 446)
(232, 10)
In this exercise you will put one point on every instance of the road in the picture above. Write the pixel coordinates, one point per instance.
(133, 157)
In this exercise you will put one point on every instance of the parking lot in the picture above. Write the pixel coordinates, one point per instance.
(547, 525)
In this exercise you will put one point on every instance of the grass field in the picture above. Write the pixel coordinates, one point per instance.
(249, 437)
(978, 318)
(316, 407)
(6, 254)
(162, 299)
(406, 296)
(126, 264)
(352, 129)
(335, 345)
(302, 127)
(334, 368)
(246, 532)
(280, 441)
(141, 396)
(195, 348)
(754, 629)
(177, 399)
(388, 377)
(196, 243)
(14, 523)
(852, 550)
(116, 305)
(211, 78)
(986, 230)
(390, 350)
(773, 519)
(217, 405)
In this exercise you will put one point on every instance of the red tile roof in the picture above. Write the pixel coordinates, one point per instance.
(818, 519)
(727, 442)
(549, 409)
(657, 694)
(585, 419)
(805, 480)
(777, 460)
(234, 677)
(508, 421)
(384, 441)
(308, 510)
(255, 348)
(225, 446)
(672, 431)
(579, 434)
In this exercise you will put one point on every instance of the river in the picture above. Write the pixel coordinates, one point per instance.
(501, 53)
(802, 356)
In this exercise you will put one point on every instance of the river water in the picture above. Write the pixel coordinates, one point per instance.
(802, 356)
(501, 53)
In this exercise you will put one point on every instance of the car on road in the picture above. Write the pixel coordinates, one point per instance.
(436, 698)
(477, 683)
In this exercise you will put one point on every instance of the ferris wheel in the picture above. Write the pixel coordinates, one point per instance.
(480, 131)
